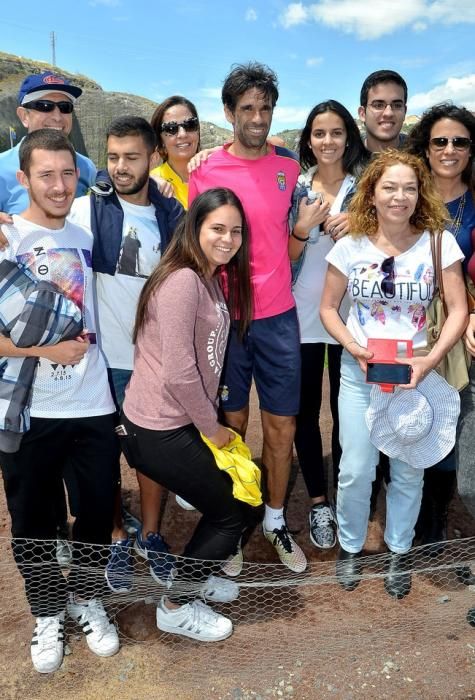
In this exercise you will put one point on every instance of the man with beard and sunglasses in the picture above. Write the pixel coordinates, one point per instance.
(132, 224)
(45, 101)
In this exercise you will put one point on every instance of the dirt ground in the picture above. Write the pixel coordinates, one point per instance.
(296, 636)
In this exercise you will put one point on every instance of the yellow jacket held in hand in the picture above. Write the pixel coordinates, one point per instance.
(235, 459)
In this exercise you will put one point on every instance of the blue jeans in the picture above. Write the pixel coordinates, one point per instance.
(358, 470)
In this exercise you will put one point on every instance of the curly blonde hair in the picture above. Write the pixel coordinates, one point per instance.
(430, 213)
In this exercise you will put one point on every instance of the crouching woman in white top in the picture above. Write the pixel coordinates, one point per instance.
(385, 263)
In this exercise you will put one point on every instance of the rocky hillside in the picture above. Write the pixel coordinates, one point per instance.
(94, 111)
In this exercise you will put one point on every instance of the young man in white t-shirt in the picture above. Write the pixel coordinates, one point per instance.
(132, 224)
(72, 417)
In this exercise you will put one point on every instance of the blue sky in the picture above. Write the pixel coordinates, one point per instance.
(320, 50)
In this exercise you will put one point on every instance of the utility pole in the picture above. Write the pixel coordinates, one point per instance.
(53, 48)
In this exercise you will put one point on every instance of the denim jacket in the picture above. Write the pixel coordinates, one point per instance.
(302, 188)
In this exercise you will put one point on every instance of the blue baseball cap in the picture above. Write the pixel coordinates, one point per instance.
(46, 82)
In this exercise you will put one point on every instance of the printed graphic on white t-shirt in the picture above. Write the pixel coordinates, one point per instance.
(63, 257)
(390, 296)
(117, 295)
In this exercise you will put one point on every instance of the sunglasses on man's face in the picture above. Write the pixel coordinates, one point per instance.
(387, 268)
(460, 143)
(171, 128)
(65, 107)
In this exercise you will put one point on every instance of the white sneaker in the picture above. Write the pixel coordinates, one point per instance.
(101, 634)
(219, 590)
(184, 504)
(195, 620)
(47, 644)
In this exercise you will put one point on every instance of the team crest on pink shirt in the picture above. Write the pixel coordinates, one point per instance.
(281, 181)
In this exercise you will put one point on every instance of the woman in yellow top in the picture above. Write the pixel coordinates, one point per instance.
(176, 124)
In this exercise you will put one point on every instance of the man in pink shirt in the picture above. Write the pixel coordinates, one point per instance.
(263, 176)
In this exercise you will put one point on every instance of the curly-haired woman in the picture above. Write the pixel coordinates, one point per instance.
(386, 266)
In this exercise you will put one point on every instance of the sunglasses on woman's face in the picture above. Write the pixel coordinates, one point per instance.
(65, 107)
(387, 268)
(460, 143)
(171, 128)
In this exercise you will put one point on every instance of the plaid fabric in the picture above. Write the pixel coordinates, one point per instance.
(32, 312)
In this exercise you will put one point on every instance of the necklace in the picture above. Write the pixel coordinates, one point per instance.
(457, 220)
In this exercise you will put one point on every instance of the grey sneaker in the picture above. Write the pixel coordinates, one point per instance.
(322, 526)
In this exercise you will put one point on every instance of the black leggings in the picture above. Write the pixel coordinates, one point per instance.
(308, 439)
(180, 461)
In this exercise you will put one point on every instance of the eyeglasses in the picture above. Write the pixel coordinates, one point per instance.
(171, 128)
(380, 105)
(65, 107)
(387, 268)
(460, 143)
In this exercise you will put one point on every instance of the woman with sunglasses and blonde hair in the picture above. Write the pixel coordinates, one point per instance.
(176, 124)
(385, 264)
(444, 139)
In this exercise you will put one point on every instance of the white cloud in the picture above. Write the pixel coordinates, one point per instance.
(452, 11)
(373, 20)
(314, 61)
(461, 91)
(367, 21)
(419, 26)
(251, 15)
(295, 13)
(212, 93)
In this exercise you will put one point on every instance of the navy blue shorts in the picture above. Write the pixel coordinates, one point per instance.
(270, 352)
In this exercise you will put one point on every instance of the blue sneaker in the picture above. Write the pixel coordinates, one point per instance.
(119, 570)
(156, 551)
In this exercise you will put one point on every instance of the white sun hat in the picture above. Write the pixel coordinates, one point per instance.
(415, 425)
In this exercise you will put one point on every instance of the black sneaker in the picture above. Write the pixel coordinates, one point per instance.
(322, 526)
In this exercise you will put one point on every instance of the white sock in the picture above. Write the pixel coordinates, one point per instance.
(273, 518)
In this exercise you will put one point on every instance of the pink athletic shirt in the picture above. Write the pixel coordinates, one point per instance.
(265, 187)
